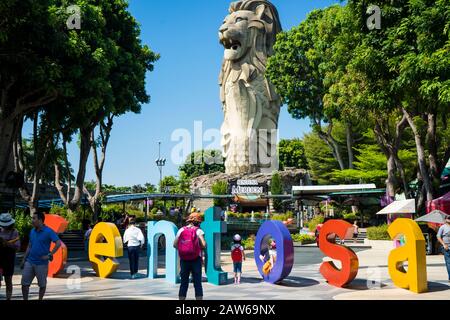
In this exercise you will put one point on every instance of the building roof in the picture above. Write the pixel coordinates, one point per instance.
(327, 189)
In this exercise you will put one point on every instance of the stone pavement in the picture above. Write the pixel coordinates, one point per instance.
(304, 283)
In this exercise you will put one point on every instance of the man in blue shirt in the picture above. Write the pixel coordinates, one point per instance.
(37, 256)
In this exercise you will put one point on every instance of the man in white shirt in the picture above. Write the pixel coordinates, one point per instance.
(133, 235)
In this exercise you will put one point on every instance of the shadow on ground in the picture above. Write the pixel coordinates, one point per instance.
(297, 282)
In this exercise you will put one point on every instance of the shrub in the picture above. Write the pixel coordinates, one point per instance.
(378, 233)
(231, 214)
(73, 217)
(276, 188)
(303, 238)
(279, 217)
(219, 188)
(23, 223)
(350, 217)
(312, 224)
(249, 243)
(258, 215)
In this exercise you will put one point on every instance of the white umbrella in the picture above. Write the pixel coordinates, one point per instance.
(435, 216)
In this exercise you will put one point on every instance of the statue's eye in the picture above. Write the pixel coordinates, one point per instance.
(239, 19)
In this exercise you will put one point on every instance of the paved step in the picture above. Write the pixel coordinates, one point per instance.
(73, 240)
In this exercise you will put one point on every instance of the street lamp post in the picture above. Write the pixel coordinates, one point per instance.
(160, 162)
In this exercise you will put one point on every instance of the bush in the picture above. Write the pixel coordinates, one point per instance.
(258, 215)
(231, 214)
(350, 217)
(73, 217)
(312, 224)
(23, 224)
(249, 243)
(378, 233)
(219, 188)
(276, 188)
(279, 217)
(303, 238)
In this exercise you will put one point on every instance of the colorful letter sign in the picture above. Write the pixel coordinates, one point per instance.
(59, 225)
(348, 258)
(285, 250)
(415, 279)
(213, 228)
(154, 231)
(105, 244)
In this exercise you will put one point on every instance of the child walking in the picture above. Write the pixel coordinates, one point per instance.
(237, 255)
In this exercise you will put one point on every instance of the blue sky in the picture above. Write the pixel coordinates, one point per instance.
(183, 87)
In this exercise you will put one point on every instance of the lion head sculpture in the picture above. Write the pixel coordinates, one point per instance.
(251, 24)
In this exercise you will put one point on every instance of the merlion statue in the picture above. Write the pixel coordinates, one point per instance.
(250, 104)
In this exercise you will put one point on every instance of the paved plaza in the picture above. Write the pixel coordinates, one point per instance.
(304, 282)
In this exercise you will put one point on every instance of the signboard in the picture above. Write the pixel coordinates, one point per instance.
(240, 186)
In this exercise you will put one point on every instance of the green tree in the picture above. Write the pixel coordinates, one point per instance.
(203, 162)
(320, 159)
(292, 154)
(220, 188)
(408, 74)
(303, 58)
(276, 188)
(117, 64)
(32, 57)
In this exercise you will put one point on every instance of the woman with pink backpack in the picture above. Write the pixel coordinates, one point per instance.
(190, 242)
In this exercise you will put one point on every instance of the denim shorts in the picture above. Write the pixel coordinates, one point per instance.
(237, 267)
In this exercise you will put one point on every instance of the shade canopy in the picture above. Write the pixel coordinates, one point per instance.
(435, 216)
(442, 203)
(326, 189)
(399, 207)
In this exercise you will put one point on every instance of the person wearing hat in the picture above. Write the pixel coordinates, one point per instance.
(190, 242)
(443, 237)
(9, 244)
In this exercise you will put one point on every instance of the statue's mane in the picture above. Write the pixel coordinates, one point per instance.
(270, 18)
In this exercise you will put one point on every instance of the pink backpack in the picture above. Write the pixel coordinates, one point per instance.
(188, 244)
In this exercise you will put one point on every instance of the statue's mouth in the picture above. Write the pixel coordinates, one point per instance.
(230, 44)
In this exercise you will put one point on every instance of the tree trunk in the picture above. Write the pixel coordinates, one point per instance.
(8, 136)
(105, 133)
(420, 157)
(85, 134)
(350, 142)
(435, 167)
(401, 169)
(391, 180)
(73, 202)
(335, 148)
